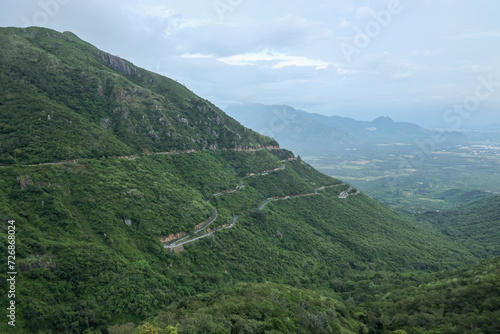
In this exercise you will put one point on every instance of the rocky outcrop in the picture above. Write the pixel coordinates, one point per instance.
(35, 263)
(172, 237)
(116, 63)
(24, 181)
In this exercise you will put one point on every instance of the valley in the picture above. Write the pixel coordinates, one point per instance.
(143, 208)
(395, 174)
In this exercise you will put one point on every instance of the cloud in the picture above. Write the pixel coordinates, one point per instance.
(482, 34)
(401, 76)
(364, 13)
(344, 24)
(272, 59)
(475, 68)
(196, 56)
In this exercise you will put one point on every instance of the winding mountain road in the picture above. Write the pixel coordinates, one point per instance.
(189, 238)
(183, 241)
(177, 243)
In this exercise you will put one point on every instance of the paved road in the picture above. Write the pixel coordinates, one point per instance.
(177, 244)
(346, 194)
(265, 203)
(214, 217)
(180, 242)
(132, 157)
(189, 238)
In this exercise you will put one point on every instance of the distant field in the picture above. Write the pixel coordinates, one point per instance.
(394, 173)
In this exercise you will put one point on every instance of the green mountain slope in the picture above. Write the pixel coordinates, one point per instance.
(262, 308)
(460, 301)
(475, 225)
(61, 98)
(92, 229)
(106, 240)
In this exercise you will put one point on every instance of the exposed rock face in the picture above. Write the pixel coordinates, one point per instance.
(116, 63)
(46, 262)
(24, 181)
(172, 237)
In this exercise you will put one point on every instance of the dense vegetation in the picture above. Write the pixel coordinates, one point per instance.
(475, 224)
(89, 251)
(61, 98)
(261, 308)
(460, 301)
(93, 270)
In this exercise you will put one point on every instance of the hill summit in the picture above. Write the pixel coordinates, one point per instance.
(61, 98)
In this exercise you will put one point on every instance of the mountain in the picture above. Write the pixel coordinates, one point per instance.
(297, 128)
(380, 129)
(492, 127)
(64, 99)
(133, 200)
(463, 300)
(289, 126)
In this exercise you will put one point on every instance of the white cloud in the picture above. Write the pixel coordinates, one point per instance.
(344, 24)
(364, 12)
(475, 68)
(401, 76)
(196, 56)
(481, 34)
(273, 59)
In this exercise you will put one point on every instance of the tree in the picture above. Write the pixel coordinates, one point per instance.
(148, 328)
(17, 152)
(128, 328)
(170, 330)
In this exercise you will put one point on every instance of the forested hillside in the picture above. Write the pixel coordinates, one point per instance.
(166, 213)
(61, 98)
(475, 225)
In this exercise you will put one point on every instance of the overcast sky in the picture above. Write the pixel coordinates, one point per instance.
(413, 60)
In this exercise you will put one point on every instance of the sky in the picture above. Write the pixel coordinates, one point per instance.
(432, 62)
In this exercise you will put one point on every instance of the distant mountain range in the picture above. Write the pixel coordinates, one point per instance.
(492, 127)
(298, 128)
(293, 127)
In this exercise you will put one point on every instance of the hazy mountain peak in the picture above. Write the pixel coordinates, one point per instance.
(383, 120)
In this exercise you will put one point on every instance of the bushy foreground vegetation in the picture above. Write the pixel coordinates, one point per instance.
(459, 301)
(84, 268)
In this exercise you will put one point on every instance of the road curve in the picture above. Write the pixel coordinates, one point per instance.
(177, 244)
(189, 238)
